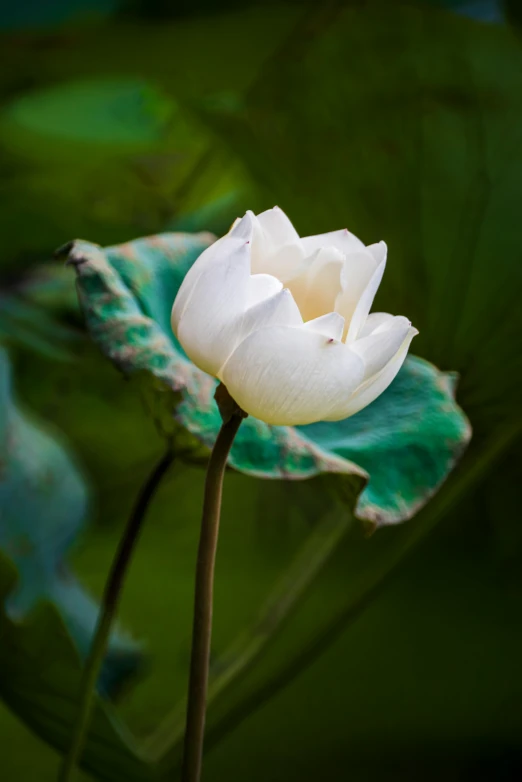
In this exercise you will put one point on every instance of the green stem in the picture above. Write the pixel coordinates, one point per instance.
(108, 610)
(202, 627)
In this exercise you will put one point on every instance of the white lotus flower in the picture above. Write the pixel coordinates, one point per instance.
(284, 322)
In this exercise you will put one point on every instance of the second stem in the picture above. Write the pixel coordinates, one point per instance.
(111, 596)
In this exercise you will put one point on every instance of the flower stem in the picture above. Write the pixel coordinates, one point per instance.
(202, 626)
(110, 600)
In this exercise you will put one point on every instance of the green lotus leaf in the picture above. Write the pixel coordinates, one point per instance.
(391, 456)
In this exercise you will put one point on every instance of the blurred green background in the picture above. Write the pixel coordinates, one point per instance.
(400, 120)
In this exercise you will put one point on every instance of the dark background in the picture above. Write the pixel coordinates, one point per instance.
(401, 120)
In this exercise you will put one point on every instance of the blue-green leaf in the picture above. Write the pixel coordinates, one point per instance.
(43, 503)
(402, 446)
